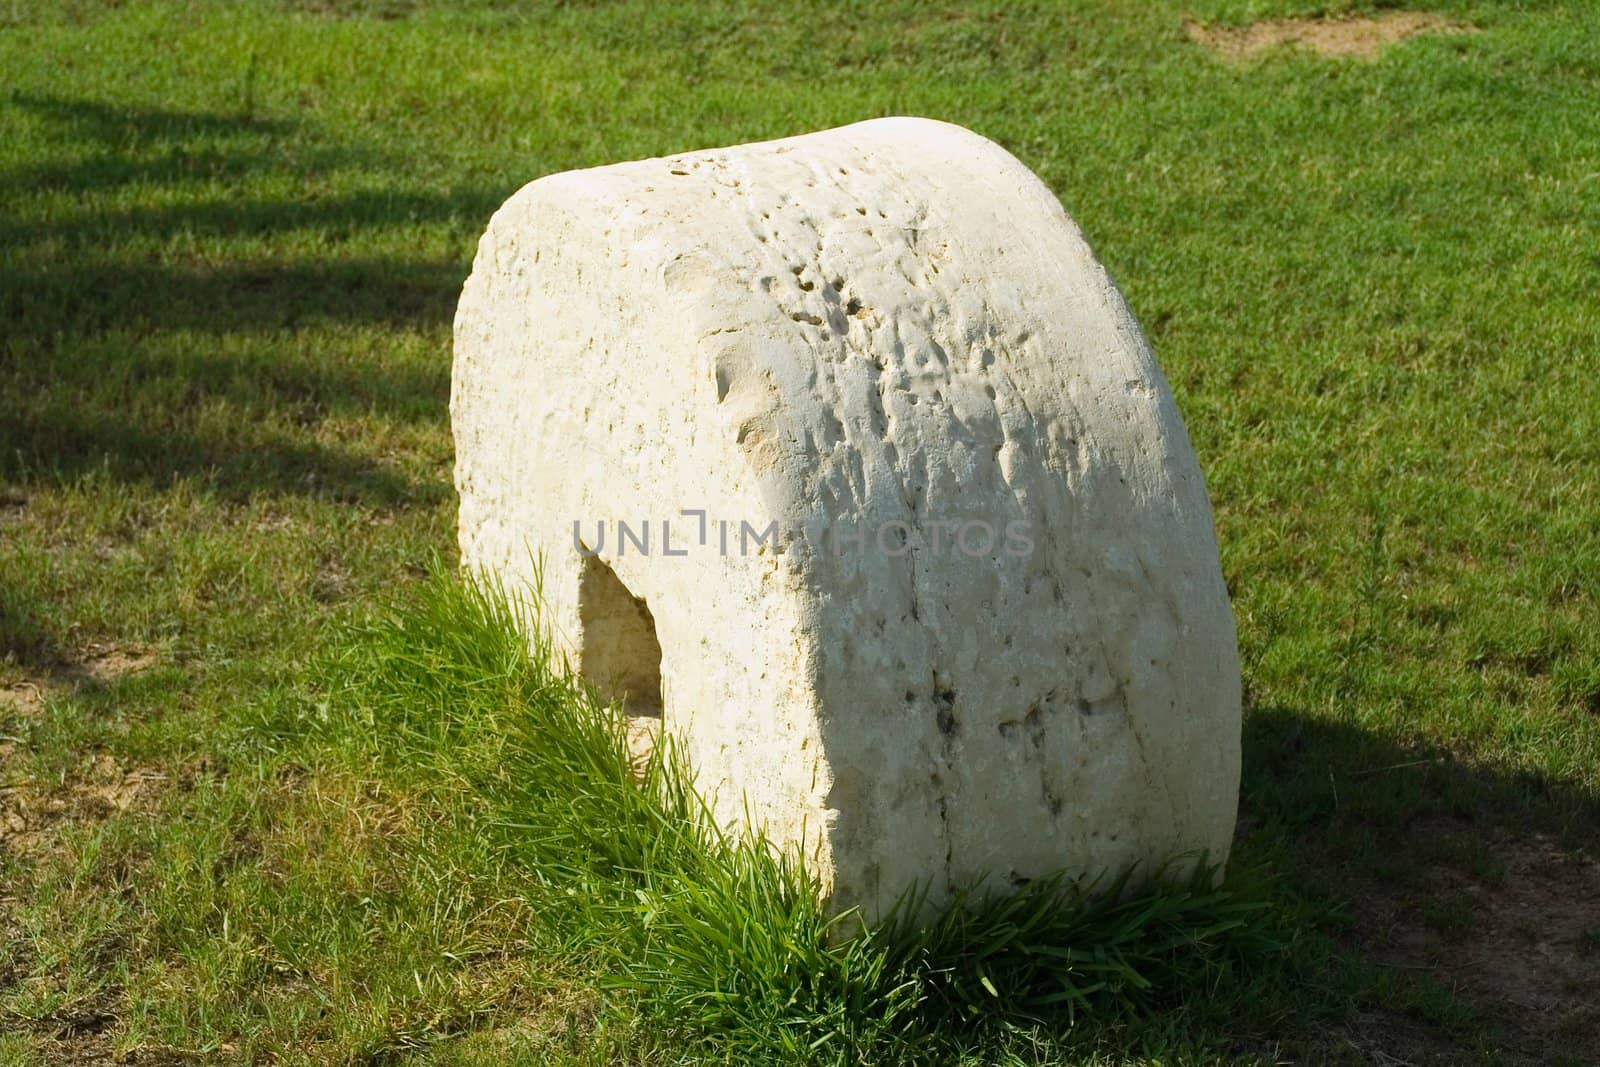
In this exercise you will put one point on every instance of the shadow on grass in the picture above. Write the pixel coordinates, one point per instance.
(70, 302)
(25, 637)
(165, 320)
(234, 463)
(121, 130)
(1471, 888)
(1304, 773)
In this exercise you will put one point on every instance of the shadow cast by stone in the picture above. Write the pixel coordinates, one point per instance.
(1477, 880)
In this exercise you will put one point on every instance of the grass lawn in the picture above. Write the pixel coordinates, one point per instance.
(232, 233)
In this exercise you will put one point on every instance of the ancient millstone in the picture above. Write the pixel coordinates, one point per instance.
(845, 455)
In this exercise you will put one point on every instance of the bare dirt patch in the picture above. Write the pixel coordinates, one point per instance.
(105, 664)
(1362, 38)
(24, 698)
(31, 808)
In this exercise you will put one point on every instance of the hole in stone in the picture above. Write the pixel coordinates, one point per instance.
(618, 653)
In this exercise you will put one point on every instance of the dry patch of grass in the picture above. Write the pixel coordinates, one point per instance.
(31, 808)
(322, 901)
(1363, 38)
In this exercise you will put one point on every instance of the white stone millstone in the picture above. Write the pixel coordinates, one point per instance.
(892, 336)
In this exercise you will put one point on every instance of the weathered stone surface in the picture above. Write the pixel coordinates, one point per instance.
(878, 333)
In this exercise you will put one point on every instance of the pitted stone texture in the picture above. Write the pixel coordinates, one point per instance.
(892, 322)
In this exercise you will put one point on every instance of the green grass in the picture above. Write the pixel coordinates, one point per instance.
(231, 238)
(723, 941)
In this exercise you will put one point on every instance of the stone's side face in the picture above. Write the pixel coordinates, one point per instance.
(890, 332)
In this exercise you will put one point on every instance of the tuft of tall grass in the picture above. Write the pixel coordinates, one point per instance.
(720, 938)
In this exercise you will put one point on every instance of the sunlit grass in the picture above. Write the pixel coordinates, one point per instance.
(232, 233)
(723, 939)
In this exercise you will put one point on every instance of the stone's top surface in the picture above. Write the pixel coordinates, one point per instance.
(1016, 652)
